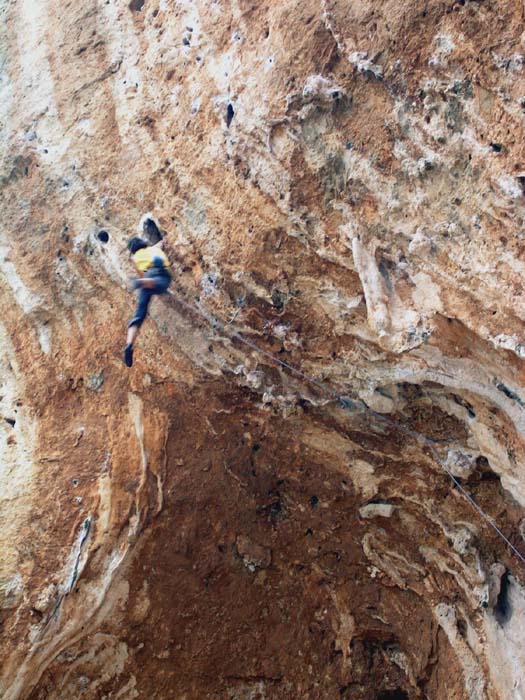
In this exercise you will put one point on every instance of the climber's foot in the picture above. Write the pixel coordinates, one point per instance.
(128, 355)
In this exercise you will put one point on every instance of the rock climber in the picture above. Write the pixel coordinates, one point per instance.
(152, 263)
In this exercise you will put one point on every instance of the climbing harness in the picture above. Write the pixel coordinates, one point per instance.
(350, 404)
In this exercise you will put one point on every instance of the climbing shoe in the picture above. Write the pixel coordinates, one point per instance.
(128, 355)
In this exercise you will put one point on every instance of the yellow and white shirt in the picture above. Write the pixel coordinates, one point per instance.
(152, 256)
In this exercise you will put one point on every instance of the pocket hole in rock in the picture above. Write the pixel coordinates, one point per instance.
(230, 113)
(152, 231)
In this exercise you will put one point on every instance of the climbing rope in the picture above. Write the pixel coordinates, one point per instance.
(351, 404)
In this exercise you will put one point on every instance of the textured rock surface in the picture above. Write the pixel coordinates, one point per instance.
(344, 181)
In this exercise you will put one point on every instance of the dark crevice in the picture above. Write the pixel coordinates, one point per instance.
(278, 299)
(509, 393)
(503, 607)
(136, 5)
(462, 627)
(152, 231)
(396, 694)
(466, 405)
(103, 236)
(384, 267)
(230, 113)
(483, 473)
(489, 475)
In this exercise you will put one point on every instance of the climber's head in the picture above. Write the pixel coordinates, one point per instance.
(135, 244)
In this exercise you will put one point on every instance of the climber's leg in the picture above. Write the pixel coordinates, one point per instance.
(142, 308)
(155, 281)
(145, 283)
(132, 334)
(136, 322)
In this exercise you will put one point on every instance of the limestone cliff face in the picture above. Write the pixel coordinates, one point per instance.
(343, 182)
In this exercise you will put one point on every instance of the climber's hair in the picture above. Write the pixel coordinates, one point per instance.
(135, 244)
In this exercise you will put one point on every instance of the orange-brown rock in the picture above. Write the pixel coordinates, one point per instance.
(342, 182)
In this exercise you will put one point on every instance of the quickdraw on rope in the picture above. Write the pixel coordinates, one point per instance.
(351, 404)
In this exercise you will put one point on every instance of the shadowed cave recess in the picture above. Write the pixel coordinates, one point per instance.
(342, 184)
